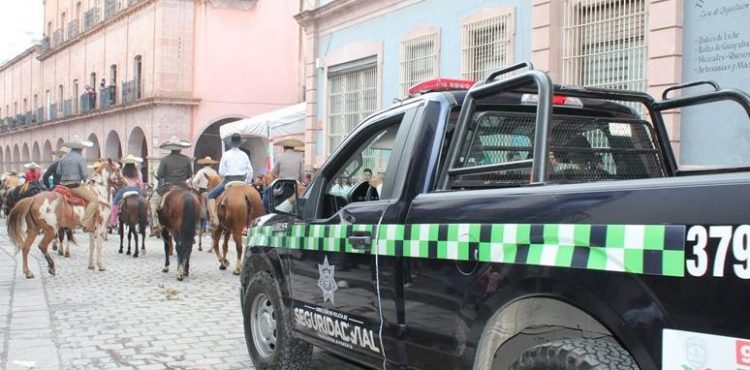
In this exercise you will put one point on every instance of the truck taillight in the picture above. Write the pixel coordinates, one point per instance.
(556, 100)
(440, 84)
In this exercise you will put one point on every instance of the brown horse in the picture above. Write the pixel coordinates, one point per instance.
(237, 206)
(133, 215)
(213, 181)
(48, 211)
(179, 215)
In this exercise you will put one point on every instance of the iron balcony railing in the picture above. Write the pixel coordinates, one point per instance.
(52, 111)
(67, 108)
(72, 29)
(21, 119)
(110, 8)
(29, 119)
(108, 96)
(39, 116)
(131, 91)
(88, 102)
(45, 45)
(90, 18)
(57, 38)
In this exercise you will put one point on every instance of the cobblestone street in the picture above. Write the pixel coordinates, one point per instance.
(131, 316)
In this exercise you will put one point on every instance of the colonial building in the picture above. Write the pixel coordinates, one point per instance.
(129, 74)
(361, 55)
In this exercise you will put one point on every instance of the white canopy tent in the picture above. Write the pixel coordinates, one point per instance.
(264, 129)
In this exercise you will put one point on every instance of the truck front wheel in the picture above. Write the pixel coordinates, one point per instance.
(576, 354)
(268, 328)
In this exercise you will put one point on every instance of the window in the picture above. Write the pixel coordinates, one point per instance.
(60, 97)
(62, 25)
(76, 90)
(487, 45)
(113, 74)
(49, 29)
(419, 59)
(352, 96)
(604, 43)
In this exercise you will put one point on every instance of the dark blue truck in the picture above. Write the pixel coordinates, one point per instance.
(515, 224)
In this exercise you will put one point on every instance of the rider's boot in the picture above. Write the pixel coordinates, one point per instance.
(212, 213)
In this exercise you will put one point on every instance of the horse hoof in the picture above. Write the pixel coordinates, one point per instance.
(102, 269)
(67, 253)
(29, 275)
(91, 267)
(51, 272)
(120, 251)
(60, 252)
(236, 272)
(135, 256)
(200, 249)
(127, 254)
(165, 270)
(180, 277)
(222, 267)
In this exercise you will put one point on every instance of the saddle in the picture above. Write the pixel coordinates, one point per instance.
(70, 197)
(233, 183)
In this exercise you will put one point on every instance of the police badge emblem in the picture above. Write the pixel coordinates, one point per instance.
(327, 282)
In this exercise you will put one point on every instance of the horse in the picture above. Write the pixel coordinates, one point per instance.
(133, 214)
(179, 215)
(8, 182)
(49, 211)
(57, 244)
(213, 181)
(237, 206)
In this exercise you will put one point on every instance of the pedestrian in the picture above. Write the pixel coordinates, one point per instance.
(288, 165)
(174, 170)
(72, 171)
(235, 166)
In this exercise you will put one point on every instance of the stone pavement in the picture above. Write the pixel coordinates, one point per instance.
(131, 316)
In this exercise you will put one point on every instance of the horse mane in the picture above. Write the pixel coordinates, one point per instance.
(213, 181)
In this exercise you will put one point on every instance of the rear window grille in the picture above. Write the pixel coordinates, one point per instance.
(583, 149)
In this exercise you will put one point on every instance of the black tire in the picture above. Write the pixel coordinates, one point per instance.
(288, 353)
(576, 354)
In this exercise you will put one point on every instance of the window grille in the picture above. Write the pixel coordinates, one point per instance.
(419, 60)
(604, 43)
(352, 96)
(486, 45)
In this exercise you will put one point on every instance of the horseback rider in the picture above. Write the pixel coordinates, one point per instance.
(200, 180)
(132, 180)
(174, 169)
(72, 171)
(51, 171)
(235, 166)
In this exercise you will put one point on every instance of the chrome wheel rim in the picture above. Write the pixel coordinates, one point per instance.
(263, 325)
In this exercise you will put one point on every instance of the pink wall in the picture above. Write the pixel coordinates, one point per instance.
(257, 67)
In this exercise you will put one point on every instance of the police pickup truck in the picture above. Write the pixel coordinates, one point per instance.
(508, 224)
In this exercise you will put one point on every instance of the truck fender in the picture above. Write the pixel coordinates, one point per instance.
(268, 261)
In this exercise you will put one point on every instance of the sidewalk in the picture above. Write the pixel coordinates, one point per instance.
(26, 335)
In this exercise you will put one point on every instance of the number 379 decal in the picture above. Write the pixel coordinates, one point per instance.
(718, 250)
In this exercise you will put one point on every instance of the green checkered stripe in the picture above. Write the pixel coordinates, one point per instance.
(640, 249)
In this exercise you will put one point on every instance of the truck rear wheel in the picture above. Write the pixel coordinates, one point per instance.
(268, 332)
(576, 354)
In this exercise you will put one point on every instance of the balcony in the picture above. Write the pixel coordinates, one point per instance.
(44, 45)
(29, 119)
(67, 108)
(108, 96)
(88, 102)
(91, 17)
(57, 38)
(39, 116)
(52, 111)
(110, 8)
(73, 29)
(131, 91)
(21, 120)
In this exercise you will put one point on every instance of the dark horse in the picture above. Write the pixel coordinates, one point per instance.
(132, 215)
(179, 215)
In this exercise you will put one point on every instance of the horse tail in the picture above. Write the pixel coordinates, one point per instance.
(190, 216)
(17, 222)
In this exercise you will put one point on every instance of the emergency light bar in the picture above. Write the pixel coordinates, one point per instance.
(556, 100)
(440, 84)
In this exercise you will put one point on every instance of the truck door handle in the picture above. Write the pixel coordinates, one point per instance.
(361, 242)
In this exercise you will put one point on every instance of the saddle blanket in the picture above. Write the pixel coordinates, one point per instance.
(69, 196)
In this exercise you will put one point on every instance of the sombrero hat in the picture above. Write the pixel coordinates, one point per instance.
(62, 151)
(296, 143)
(76, 142)
(31, 165)
(131, 159)
(174, 143)
(207, 160)
(96, 164)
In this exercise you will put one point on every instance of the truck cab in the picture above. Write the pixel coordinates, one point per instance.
(500, 223)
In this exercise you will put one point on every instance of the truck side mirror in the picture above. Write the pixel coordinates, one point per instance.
(284, 196)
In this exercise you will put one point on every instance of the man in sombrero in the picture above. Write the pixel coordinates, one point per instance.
(50, 178)
(174, 170)
(200, 180)
(73, 172)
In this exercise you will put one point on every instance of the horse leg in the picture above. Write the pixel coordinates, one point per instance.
(26, 248)
(130, 238)
(49, 235)
(187, 253)
(121, 231)
(216, 236)
(133, 231)
(166, 239)
(92, 247)
(200, 235)
(100, 237)
(69, 236)
(57, 244)
(180, 260)
(237, 234)
(224, 259)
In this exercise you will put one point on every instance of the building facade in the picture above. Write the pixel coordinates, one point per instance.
(361, 55)
(130, 74)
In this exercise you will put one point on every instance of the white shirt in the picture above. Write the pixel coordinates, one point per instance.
(234, 162)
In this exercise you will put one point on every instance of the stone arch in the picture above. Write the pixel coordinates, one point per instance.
(16, 157)
(209, 141)
(138, 146)
(36, 153)
(113, 146)
(8, 158)
(47, 152)
(93, 153)
(59, 144)
(25, 156)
